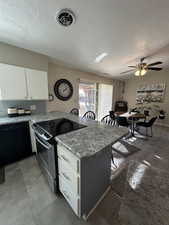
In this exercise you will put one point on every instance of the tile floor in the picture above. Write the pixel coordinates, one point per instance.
(25, 198)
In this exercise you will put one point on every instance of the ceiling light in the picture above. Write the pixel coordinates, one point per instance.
(137, 73)
(140, 72)
(100, 57)
(143, 72)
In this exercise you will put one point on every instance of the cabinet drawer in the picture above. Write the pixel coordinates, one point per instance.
(72, 199)
(69, 175)
(68, 158)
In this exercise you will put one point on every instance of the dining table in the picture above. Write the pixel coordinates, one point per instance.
(133, 117)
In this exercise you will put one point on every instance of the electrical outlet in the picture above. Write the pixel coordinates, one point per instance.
(33, 107)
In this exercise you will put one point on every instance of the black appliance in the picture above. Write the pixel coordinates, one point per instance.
(121, 106)
(2, 175)
(15, 142)
(45, 133)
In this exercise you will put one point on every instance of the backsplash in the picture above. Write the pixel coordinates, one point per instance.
(40, 106)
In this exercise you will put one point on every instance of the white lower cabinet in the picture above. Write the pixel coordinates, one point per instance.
(69, 195)
(69, 178)
(69, 159)
(83, 181)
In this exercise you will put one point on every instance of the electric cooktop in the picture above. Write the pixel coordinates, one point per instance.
(59, 126)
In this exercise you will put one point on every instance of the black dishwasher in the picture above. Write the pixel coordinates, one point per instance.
(15, 142)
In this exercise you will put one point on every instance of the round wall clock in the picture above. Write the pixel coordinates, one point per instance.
(63, 89)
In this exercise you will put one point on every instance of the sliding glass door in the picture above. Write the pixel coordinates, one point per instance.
(105, 98)
(95, 97)
(87, 97)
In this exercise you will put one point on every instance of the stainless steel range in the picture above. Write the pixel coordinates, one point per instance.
(45, 133)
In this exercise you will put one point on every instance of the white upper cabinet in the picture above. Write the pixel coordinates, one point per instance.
(37, 83)
(18, 83)
(12, 83)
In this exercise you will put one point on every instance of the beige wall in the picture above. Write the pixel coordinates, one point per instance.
(20, 57)
(56, 72)
(151, 78)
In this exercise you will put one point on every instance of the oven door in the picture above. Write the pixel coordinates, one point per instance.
(47, 160)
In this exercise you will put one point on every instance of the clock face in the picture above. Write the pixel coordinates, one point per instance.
(63, 89)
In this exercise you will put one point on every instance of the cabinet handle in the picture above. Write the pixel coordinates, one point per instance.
(66, 177)
(67, 196)
(64, 158)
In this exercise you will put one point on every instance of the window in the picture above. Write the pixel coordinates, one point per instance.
(87, 97)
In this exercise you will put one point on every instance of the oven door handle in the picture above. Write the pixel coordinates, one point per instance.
(40, 142)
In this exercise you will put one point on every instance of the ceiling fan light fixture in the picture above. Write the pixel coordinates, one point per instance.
(137, 73)
(143, 72)
(140, 72)
(142, 68)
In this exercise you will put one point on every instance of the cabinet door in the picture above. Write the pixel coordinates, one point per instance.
(37, 83)
(15, 142)
(12, 82)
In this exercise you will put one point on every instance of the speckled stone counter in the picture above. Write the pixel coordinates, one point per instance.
(83, 142)
(8, 120)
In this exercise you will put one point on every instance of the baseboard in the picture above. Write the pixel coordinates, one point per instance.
(98, 202)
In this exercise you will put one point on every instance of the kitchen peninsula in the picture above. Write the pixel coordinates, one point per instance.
(84, 159)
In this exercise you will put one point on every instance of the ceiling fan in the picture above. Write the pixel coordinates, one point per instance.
(142, 67)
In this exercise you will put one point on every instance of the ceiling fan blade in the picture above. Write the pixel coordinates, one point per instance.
(154, 68)
(128, 71)
(142, 59)
(155, 63)
(133, 66)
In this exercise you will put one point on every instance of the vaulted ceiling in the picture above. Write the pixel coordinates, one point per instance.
(123, 29)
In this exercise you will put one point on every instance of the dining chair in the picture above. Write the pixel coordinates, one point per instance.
(75, 111)
(122, 121)
(112, 114)
(109, 121)
(89, 115)
(148, 124)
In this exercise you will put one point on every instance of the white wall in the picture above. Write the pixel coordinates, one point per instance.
(150, 78)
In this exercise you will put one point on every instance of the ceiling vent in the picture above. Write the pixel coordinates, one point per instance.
(65, 17)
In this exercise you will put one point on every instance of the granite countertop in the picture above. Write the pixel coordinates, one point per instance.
(8, 120)
(84, 142)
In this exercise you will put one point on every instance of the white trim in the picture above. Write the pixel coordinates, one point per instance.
(98, 202)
